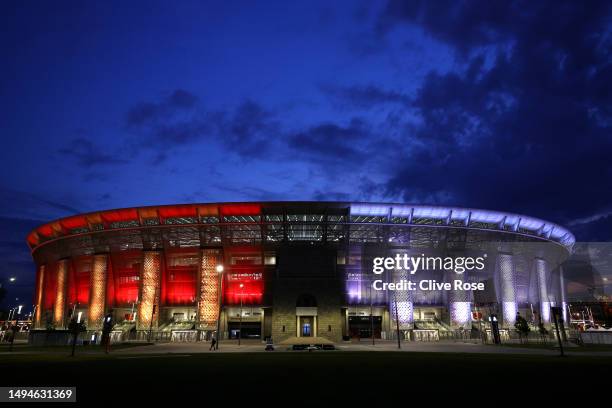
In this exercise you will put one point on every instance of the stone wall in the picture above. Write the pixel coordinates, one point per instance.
(327, 293)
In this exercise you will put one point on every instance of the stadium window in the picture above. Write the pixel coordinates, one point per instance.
(329, 328)
(269, 259)
(245, 260)
(283, 329)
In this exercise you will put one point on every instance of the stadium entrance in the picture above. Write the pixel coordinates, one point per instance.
(250, 330)
(306, 326)
(363, 326)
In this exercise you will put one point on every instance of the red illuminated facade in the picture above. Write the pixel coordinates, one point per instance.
(179, 281)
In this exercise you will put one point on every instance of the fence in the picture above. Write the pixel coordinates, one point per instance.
(596, 337)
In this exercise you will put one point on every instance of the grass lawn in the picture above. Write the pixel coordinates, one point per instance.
(302, 378)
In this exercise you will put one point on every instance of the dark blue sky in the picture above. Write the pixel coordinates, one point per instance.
(500, 105)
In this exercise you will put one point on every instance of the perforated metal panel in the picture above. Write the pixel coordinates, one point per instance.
(148, 308)
(562, 289)
(208, 300)
(60, 294)
(405, 311)
(459, 302)
(97, 292)
(505, 266)
(39, 296)
(461, 313)
(542, 272)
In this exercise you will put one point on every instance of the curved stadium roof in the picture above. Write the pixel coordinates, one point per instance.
(359, 213)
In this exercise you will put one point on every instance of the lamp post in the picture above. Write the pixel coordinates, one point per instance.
(399, 344)
(220, 272)
(371, 317)
(9, 314)
(74, 308)
(15, 315)
(132, 311)
(12, 328)
(240, 324)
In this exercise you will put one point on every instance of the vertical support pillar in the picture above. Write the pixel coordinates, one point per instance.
(39, 296)
(209, 290)
(459, 303)
(386, 323)
(405, 311)
(148, 308)
(297, 326)
(507, 283)
(460, 313)
(262, 324)
(562, 292)
(542, 273)
(59, 306)
(97, 292)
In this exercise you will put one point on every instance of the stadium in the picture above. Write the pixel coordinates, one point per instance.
(287, 270)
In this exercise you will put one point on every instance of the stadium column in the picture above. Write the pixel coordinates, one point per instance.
(59, 306)
(562, 292)
(506, 275)
(150, 276)
(39, 296)
(405, 311)
(541, 267)
(97, 292)
(208, 290)
(459, 302)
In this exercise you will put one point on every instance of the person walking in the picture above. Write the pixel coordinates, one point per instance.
(213, 344)
(106, 332)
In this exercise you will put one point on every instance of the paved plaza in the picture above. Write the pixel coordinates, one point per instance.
(251, 346)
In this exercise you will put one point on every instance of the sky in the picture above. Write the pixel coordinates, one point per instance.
(496, 105)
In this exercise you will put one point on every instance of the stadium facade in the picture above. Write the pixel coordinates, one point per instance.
(291, 269)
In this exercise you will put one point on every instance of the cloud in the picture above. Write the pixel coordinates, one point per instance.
(523, 123)
(319, 195)
(173, 121)
(181, 132)
(251, 193)
(597, 230)
(25, 205)
(463, 24)
(249, 130)
(332, 144)
(87, 154)
(145, 113)
(369, 96)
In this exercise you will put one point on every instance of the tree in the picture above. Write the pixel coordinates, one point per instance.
(522, 327)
